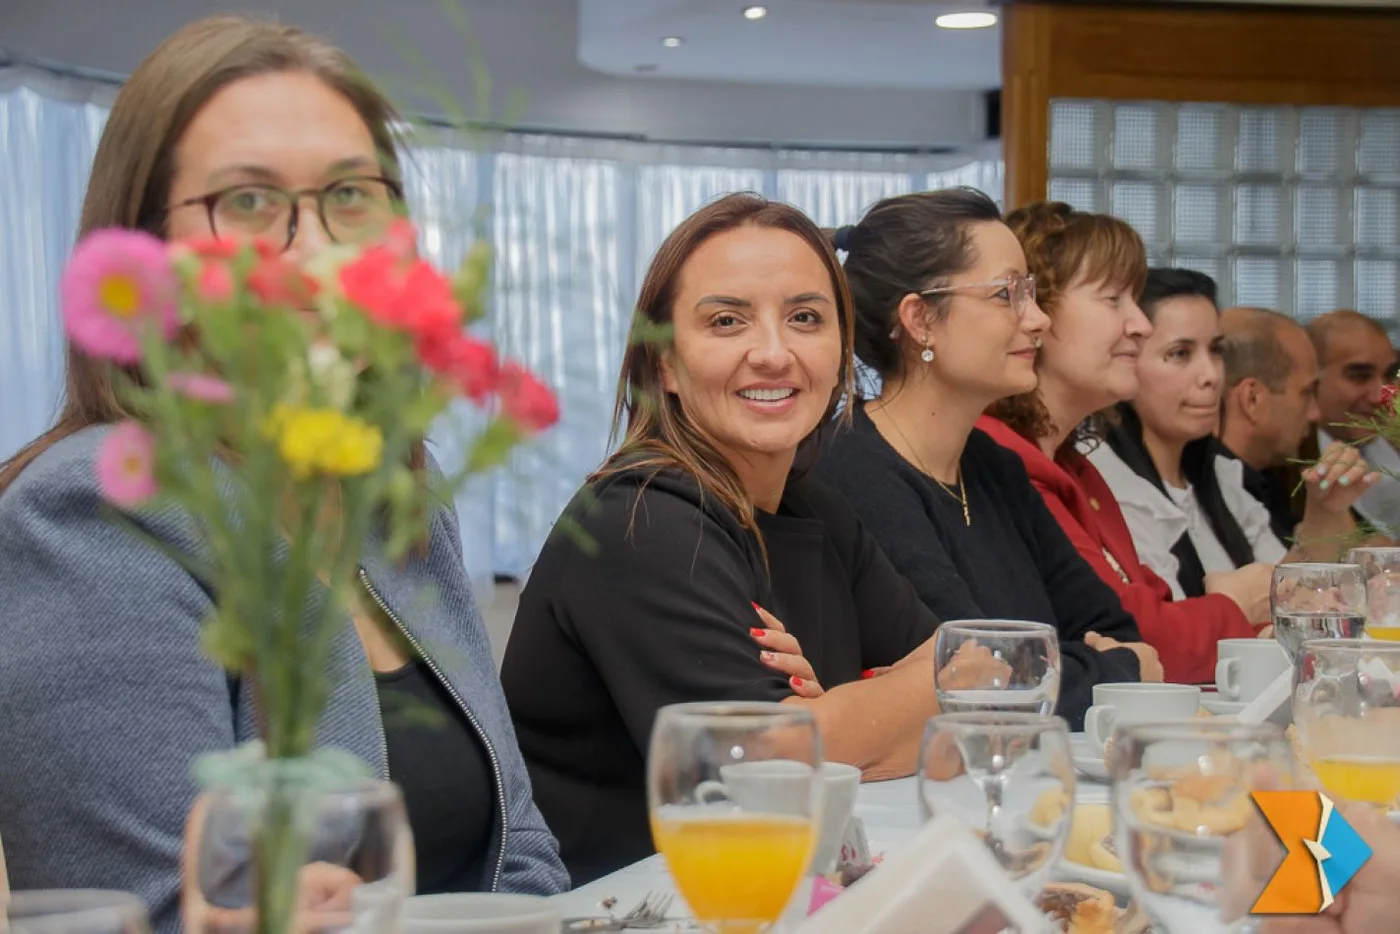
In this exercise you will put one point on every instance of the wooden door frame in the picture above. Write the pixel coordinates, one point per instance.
(1148, 51)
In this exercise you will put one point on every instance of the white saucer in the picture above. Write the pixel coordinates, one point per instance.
(1087, 759)
(1222, 707)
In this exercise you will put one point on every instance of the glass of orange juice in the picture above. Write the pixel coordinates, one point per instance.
(734, 792)
(1347, 712)
(1381, 569)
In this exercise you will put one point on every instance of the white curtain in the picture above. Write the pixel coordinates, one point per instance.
(48, 134)
(573, 223)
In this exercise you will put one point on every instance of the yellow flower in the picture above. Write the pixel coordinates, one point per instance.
(324, 441)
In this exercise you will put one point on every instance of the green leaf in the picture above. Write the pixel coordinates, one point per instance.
(493, 445)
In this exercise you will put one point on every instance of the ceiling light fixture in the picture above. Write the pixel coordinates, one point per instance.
(966, 20)
(672, 42)
(755, 12)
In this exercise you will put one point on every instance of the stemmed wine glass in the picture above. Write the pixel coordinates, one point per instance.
(1380, 567)
(1348, 717)
(996, 664)
(72, 911)
(734, 792)
(1316, 601)
(1192, 845)
(1008, 777)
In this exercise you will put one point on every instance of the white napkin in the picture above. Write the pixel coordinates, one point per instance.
(939, 883)
(1273, 705)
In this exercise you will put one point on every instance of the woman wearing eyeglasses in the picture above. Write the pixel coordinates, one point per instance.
(231, 127)
(946, 318)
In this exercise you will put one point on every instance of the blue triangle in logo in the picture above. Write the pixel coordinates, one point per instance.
(1347, 852)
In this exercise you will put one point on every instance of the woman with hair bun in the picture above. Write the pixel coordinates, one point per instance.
(1089, 271)
(946, 316)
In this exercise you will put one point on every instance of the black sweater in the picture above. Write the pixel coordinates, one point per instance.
(655, 608)
(1013, 562)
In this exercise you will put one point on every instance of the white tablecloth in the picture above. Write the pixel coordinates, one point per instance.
(889, 810)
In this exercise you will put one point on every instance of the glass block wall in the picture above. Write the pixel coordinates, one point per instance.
(1296, 209)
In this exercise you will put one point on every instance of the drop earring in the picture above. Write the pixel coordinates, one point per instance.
(927, 355)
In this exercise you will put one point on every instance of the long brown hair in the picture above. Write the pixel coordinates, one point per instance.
(1064, 246)
(134, 165)
(657, 434)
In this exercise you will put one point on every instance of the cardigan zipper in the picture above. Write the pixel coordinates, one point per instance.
(471, 718)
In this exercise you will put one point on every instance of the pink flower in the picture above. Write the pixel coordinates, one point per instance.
(200, 387)
(126, 465)
(527, 401)
(117, 281)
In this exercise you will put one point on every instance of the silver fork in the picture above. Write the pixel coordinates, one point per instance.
(650, 912)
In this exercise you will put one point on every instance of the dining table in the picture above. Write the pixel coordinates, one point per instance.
(889, 811)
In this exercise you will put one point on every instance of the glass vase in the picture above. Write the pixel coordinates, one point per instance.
(286, 847)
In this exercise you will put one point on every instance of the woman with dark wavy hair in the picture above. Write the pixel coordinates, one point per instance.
(946, 317)
(703, 531)
(1089, 270)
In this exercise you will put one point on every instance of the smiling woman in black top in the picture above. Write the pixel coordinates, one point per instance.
(945, 314)
(703, 516)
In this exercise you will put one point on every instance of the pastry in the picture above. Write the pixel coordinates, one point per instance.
(1050, 807)
(1103, 854)
(1091, 823)
(1079, 909)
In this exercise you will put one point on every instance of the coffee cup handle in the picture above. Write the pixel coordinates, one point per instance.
(1227, 670)
(711, 792)
(1098, 724)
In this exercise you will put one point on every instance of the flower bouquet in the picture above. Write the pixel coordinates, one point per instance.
(282, 409)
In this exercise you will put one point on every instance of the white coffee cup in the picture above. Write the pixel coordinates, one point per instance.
(773, 785)
(480, 913)
(1248, 666)
(1135, 702)
(840, 783)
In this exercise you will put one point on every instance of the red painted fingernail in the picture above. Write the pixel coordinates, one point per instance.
(758, 633)
(755, 605)
(796, 681)
(868, 673)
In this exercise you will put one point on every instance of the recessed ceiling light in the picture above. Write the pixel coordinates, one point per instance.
(966, 20)
(672, 42)
(755, 12)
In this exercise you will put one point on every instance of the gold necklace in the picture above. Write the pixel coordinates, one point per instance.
(960, 495)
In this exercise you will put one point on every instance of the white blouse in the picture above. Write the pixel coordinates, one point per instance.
(1158, 521)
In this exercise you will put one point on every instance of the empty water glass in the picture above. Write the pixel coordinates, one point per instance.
(996, 664)
(73, 911)
(1316, 601)
(1009, 778)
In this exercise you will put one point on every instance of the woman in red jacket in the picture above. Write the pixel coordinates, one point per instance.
(1089, 270)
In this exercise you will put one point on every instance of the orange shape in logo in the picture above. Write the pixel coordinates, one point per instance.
(1296, 886)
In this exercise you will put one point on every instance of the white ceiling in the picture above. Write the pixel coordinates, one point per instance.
(868, 73)
(850, 43)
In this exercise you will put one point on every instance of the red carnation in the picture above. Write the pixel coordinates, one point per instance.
(208, 247)
(275, 281)
(527, 401)
(464, 361)
(1387, 404)
(409, 296)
